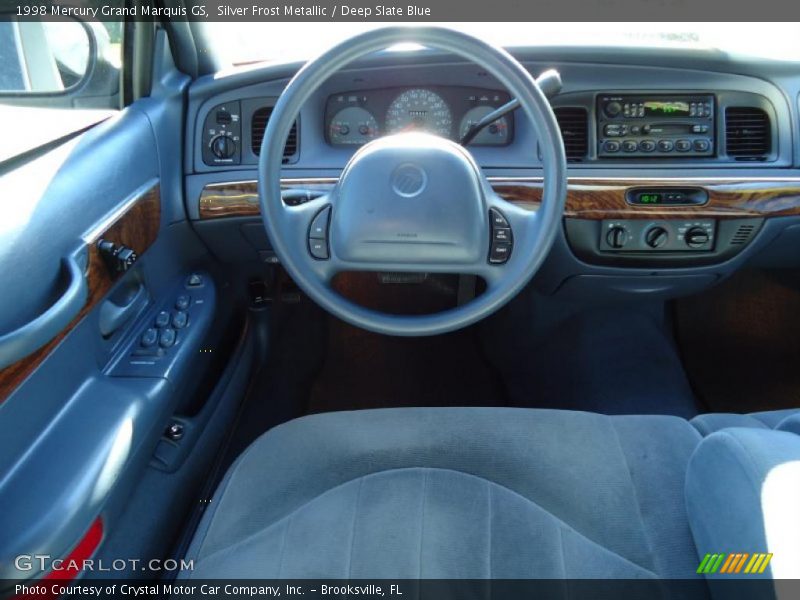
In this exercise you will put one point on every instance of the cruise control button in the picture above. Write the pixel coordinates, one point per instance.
(167, 338)
(149, 337)
(183, 301)
(501, 234)
(319, 226)
(162, 319)
(499, 252)
(498, 220)
(683, 145)
(194, 280)
(665, 145)
(180, 319)
(318, 249)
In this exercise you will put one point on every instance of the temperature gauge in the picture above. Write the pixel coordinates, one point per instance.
(495, 134)
(352, 126)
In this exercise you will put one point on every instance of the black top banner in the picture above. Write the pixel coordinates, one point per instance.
(406, 10)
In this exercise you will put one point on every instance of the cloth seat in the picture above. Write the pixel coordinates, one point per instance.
(455, 493)
(781, 420)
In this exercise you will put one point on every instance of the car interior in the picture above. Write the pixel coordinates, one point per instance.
(447, 312)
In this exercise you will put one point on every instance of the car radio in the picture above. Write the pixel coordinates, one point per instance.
(655, 126)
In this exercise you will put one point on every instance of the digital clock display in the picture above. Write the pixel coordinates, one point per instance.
(664, 108)
(650, 198)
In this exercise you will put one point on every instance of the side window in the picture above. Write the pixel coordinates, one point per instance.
(60, 64)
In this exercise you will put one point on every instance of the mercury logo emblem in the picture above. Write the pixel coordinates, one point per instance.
(409, 180)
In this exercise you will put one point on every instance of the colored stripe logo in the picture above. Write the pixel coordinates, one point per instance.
(736, 562)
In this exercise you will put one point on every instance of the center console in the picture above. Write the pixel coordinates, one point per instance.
(655, 125)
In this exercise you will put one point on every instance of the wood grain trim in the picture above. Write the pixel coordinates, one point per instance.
(605, 198)
(586, 198)
(136, 226)
(240, 198)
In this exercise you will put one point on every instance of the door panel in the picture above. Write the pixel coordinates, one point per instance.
(134, 225)
(76, 436)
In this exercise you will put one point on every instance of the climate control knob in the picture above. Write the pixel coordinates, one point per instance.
(617, 236)
(696, 237)
(223, 146)
(656, 237)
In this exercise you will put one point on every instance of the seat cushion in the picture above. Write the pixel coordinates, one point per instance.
(782, 420)
(455, 493)
(743, 493)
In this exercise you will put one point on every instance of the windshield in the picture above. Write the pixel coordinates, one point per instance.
(261, 42)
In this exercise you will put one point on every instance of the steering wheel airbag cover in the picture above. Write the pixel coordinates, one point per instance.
(410, 198)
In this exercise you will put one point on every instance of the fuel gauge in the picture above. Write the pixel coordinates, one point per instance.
(495, 134)
(352, 126)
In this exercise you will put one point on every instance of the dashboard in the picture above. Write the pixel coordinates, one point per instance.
(681, 166)
(356, 117)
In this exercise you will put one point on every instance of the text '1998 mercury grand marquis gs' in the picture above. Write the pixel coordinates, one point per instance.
(421, 316)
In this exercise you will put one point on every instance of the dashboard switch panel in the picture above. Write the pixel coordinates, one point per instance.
(636, 235)
(222, 135)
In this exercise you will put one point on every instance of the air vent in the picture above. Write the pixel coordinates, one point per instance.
(259, 125)
(742, 235)
(748, 134)
(573, 122)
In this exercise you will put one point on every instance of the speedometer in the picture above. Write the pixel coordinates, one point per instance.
(419, 110)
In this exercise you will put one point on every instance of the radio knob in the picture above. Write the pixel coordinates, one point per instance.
(612, 109)
(696, 237)
(617, 237)
(656, 237)
(223, 147)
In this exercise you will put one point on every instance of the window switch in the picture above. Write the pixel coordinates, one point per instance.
(162, 319)
(183, 301)
(167, 338)
(180, 319)
(149, 337)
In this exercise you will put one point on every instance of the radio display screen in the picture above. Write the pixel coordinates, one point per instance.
(659, 108)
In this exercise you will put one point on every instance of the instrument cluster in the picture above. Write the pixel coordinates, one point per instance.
(355, 118)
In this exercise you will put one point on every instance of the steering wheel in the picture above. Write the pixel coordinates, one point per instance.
(412, 202)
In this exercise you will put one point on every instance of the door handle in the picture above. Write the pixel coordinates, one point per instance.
(113, 315)
(21, 342)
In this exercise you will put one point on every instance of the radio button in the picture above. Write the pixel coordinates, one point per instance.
(636, 129)
(683, 145)
(613, 108)
(629, 146)
(647, 145)
(611, 146)
(665, 145)
(701, 145)
(615, 130)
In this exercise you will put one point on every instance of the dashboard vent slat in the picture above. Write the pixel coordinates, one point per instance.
(742, 235)
(574, 125)
(259, 125)
(748, 133)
